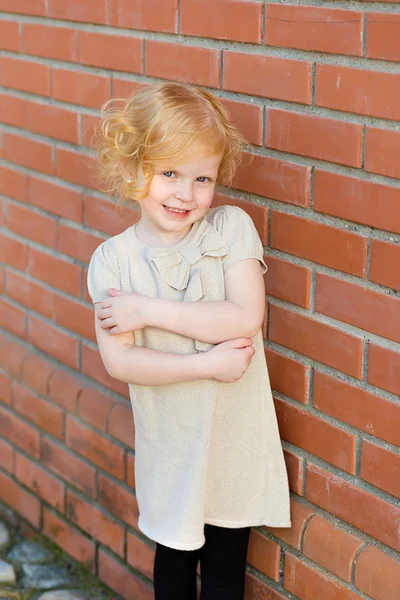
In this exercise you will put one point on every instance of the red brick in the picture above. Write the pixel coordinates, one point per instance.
(326, 139)
(95, 523)
(358, 91)
(52, 121)
(381, 467)
(25, 7)
(13, 184)
(355, 406)
(121, 53)
(69, 467)
(77, 243)
(54, 342)
(314, 28)
(19, 433)
(26, 76)
(12, 357)
(294, 467)
(316, 436)
(58, 43)
(12, 110)
(382, 34)
(40, 482)
(267, 76)
(74, 316)
(231, 20)
(94, 407)
(86, 89)
(95, 447)
(69, 539)
(276, 179)
(118, 501)
(383, 368)
(89, 126)
(382, 146)
(29, 153)
(64, 389)
(258, 213)
(6, 456)
(13, 318)
(121, 425)
(122, 88)
(32, 225)
(201, 65)
(40, 412)
(159, 15)
(377, 574)
(32, 295)
(106, 217)
(92, 366)
(372, 516)
(5, 389)
(366, 202)
(93, 11)
(21, 501)
(307, 583)
(9, 36)
(130, 470)
(331, 547)
(37, 373)
(140, 555)
(385, 258)
(55, 271)
(299, 515)
(288, 376)
(320, 243)
(364, 308)
(288, 281)
(264, 554)
(75, 167)
(56, 199)
(256, 589)
(324, 343)
(248, 118)
(117, 577)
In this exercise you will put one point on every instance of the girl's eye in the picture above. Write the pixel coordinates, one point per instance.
(168, 174)
(203, 179)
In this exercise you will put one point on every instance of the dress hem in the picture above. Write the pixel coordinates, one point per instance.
(217, 522)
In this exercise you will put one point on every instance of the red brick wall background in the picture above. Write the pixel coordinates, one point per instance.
(315, 87)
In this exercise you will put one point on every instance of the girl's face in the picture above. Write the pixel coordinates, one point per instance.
(178, 197)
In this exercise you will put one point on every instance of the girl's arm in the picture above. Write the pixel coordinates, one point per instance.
(142, 366)
(240, 315)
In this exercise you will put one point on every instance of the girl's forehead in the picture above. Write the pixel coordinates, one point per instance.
(210, 163)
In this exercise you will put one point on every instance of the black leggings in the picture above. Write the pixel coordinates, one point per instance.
(222, 565)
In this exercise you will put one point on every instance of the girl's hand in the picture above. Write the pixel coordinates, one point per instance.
(124, 312)
(230, 360)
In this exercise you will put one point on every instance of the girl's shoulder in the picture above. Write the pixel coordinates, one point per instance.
(115, 245)
(231, 222)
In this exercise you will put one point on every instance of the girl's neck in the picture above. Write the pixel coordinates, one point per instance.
(157, 239)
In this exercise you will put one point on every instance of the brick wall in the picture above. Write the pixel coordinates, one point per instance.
(315, 87)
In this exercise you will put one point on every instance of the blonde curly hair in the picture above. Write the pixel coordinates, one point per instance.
(162, 125)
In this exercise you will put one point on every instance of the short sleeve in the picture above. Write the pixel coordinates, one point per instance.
(103, 273)
(240, 234)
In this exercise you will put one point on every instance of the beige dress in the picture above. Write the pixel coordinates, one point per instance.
(206, 451)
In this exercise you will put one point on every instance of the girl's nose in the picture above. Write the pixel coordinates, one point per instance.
(185, 193)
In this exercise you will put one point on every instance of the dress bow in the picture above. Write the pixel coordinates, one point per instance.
(175, 265)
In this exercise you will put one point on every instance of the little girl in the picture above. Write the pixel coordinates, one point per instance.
(179, 302)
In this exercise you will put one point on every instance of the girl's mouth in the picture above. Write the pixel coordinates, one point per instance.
(177, 213)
